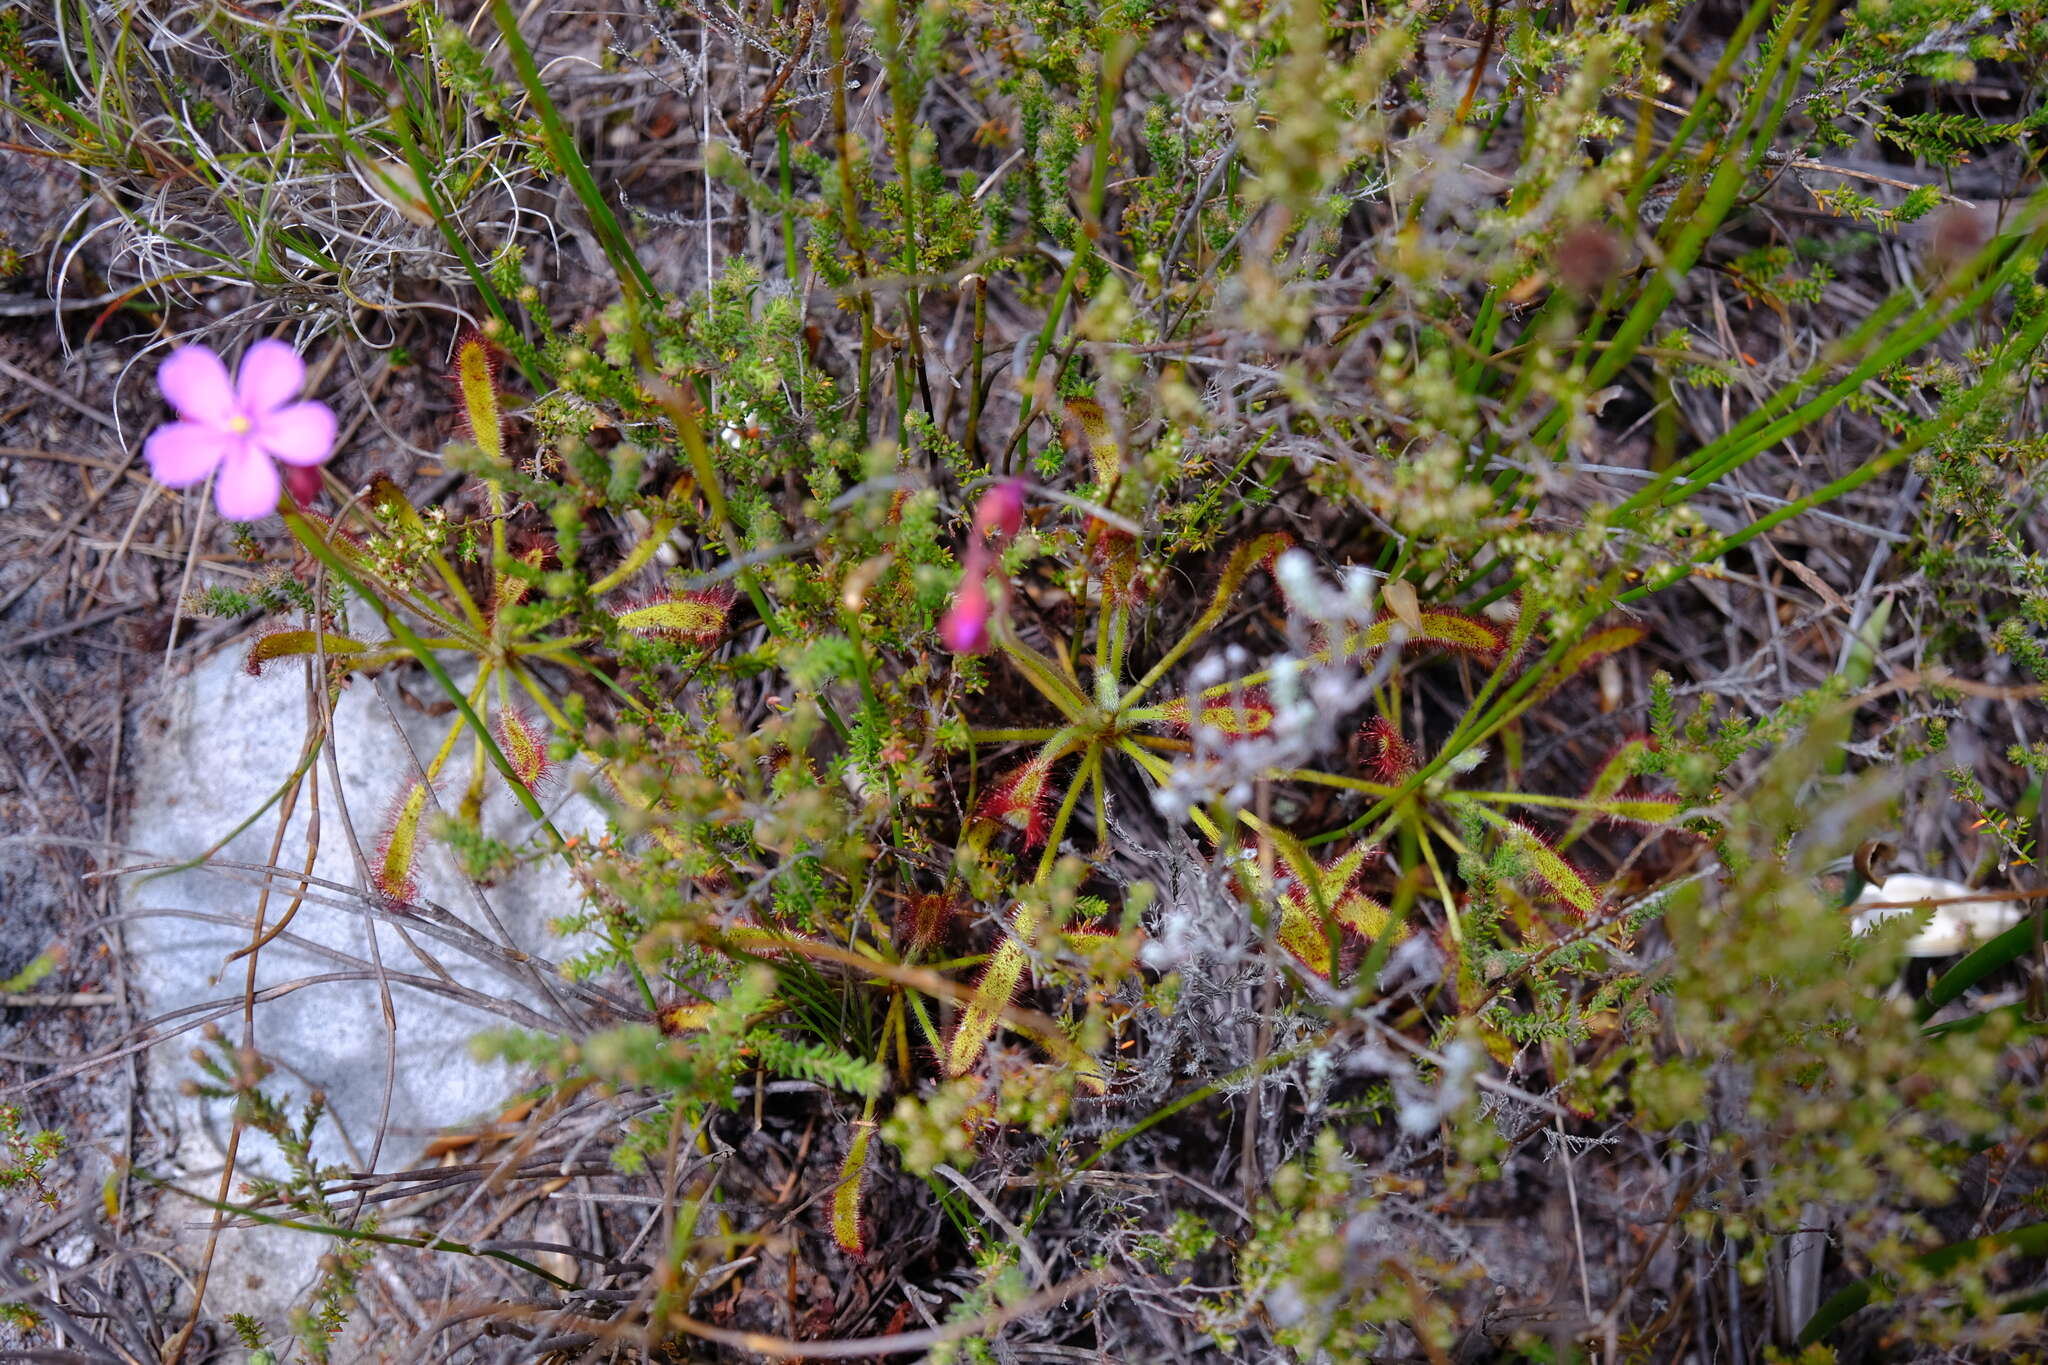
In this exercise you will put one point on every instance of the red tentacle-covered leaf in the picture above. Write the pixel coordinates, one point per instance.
(691, 618)
(525, 747)
(1022, 799)
(1383, 753)
(928, 918)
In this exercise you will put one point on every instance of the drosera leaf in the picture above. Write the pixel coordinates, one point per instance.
(760, 941)
(1437, 626)
(1384, 752)
(289, 644)
(510, 589)
(476, 378)
(394, 871)
(689, 1017)
(1000, 981)
(1546, 864)
(846, 1195)
(1020, 798)
(1642, 808)
(1260, 551)
(693, 618)
(630, 795)
(995, 992)
(928, 918)
(1105, 461)
(1301, 934)
(525, 747)
(1235, 712)
(1609, 796)
(1315, 890)
(1590, 650)
(1365, 917)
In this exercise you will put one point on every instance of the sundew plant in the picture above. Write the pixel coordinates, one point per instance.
(1248, 668)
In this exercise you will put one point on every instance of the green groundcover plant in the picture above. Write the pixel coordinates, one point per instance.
(1148, 549)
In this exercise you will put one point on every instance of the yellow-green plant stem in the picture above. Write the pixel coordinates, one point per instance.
(1090, 763)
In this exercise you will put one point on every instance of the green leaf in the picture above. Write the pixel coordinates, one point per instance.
(1985, 959)
(1546, 864)
(2030, 1240)
(287, 644)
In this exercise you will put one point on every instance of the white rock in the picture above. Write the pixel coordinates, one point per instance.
(1961, 919)
(210, 752)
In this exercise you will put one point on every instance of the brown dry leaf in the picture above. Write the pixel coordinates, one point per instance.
(1399, 595)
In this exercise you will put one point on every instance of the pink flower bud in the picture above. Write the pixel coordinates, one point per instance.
(964, 627)
(1001, 511)
(304, 482)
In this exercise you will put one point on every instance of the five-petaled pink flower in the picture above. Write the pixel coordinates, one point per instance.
(237, 428)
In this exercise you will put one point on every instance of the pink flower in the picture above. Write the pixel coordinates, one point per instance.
(237, 428)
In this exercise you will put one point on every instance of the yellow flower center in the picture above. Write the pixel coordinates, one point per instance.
(238, 425)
